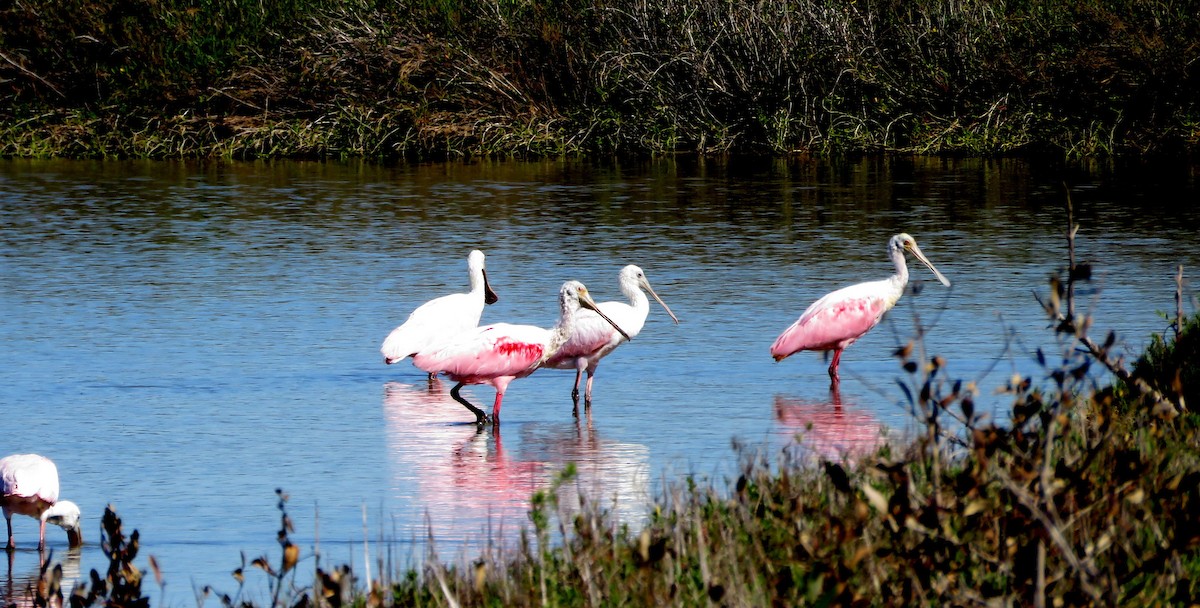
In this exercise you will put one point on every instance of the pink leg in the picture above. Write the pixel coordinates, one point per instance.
(587, 393)
(501, 384)
(833, 367)
(579, 365)
(42, 535)
(496, 406)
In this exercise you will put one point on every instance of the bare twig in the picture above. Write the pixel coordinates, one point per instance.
(31, 74)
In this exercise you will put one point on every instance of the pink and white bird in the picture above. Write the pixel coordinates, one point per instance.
(29, 486)
(592, 339)
(838, 319)
(441, 319)
(499, 353)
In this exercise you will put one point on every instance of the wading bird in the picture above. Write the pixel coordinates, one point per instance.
(29, 486)
(500, 353)
(441, 319)
(838, 319)
(592, 339)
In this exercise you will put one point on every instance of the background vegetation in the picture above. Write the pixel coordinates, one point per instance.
(386, 79)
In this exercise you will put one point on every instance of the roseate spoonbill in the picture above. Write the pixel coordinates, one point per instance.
(29, 486)
(441, 319)
(500, 353)
(593, 339)
(838, 319)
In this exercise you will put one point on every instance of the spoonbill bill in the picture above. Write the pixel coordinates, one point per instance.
(29, 486)
(838, 319)
(593, 339)
(441, 319)
(499, 353)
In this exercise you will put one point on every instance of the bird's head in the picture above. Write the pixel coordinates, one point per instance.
(904, 242)
(475, 263)
(65, 514)
(576, 292)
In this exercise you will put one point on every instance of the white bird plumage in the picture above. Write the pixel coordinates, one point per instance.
(441, 319)
(592, 338)
(29, 486)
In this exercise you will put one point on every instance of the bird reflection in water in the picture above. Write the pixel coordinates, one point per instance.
(612, 475)
(460, 479)
(457, 476)
(22, 589)
(827, 429)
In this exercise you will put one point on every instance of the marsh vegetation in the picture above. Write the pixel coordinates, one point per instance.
(451, 78)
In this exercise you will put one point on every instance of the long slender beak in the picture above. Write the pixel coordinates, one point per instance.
(646, 285)
(586, 301)
(920, 256)
(489, 296)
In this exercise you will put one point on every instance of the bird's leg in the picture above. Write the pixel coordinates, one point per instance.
(480, 417)
(587, 393)
(41, 536)
(575, 390)
(833, 367)
(11, 545)
(496, 407)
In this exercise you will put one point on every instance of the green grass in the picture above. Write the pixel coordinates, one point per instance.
(446, 78)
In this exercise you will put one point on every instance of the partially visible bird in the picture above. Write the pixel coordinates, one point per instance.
(441, 319)
(838, 319)
(29, 486)
(593, 339)
(499, 353)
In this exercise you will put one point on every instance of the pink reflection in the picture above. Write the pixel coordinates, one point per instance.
(827, 429)
(456, 473)
(471, 488)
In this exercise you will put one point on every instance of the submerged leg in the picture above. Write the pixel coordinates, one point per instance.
(833, 367)
(480, 417)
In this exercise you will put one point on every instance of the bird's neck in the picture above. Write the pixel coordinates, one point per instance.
(901, 276)
(476, 281)
(638, 300)
(562, 330)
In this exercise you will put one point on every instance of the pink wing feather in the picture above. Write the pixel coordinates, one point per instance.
(829, 325)
(492, 351)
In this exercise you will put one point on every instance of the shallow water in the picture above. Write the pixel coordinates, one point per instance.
(183, 339)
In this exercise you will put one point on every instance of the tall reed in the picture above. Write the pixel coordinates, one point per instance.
(436, 78)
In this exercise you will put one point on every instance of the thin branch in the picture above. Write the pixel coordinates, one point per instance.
(32, 75)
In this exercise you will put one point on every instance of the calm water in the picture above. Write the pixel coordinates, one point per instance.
(183, 339)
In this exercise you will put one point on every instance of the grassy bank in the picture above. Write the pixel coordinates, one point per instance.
(449, 78)
(1085, 493)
